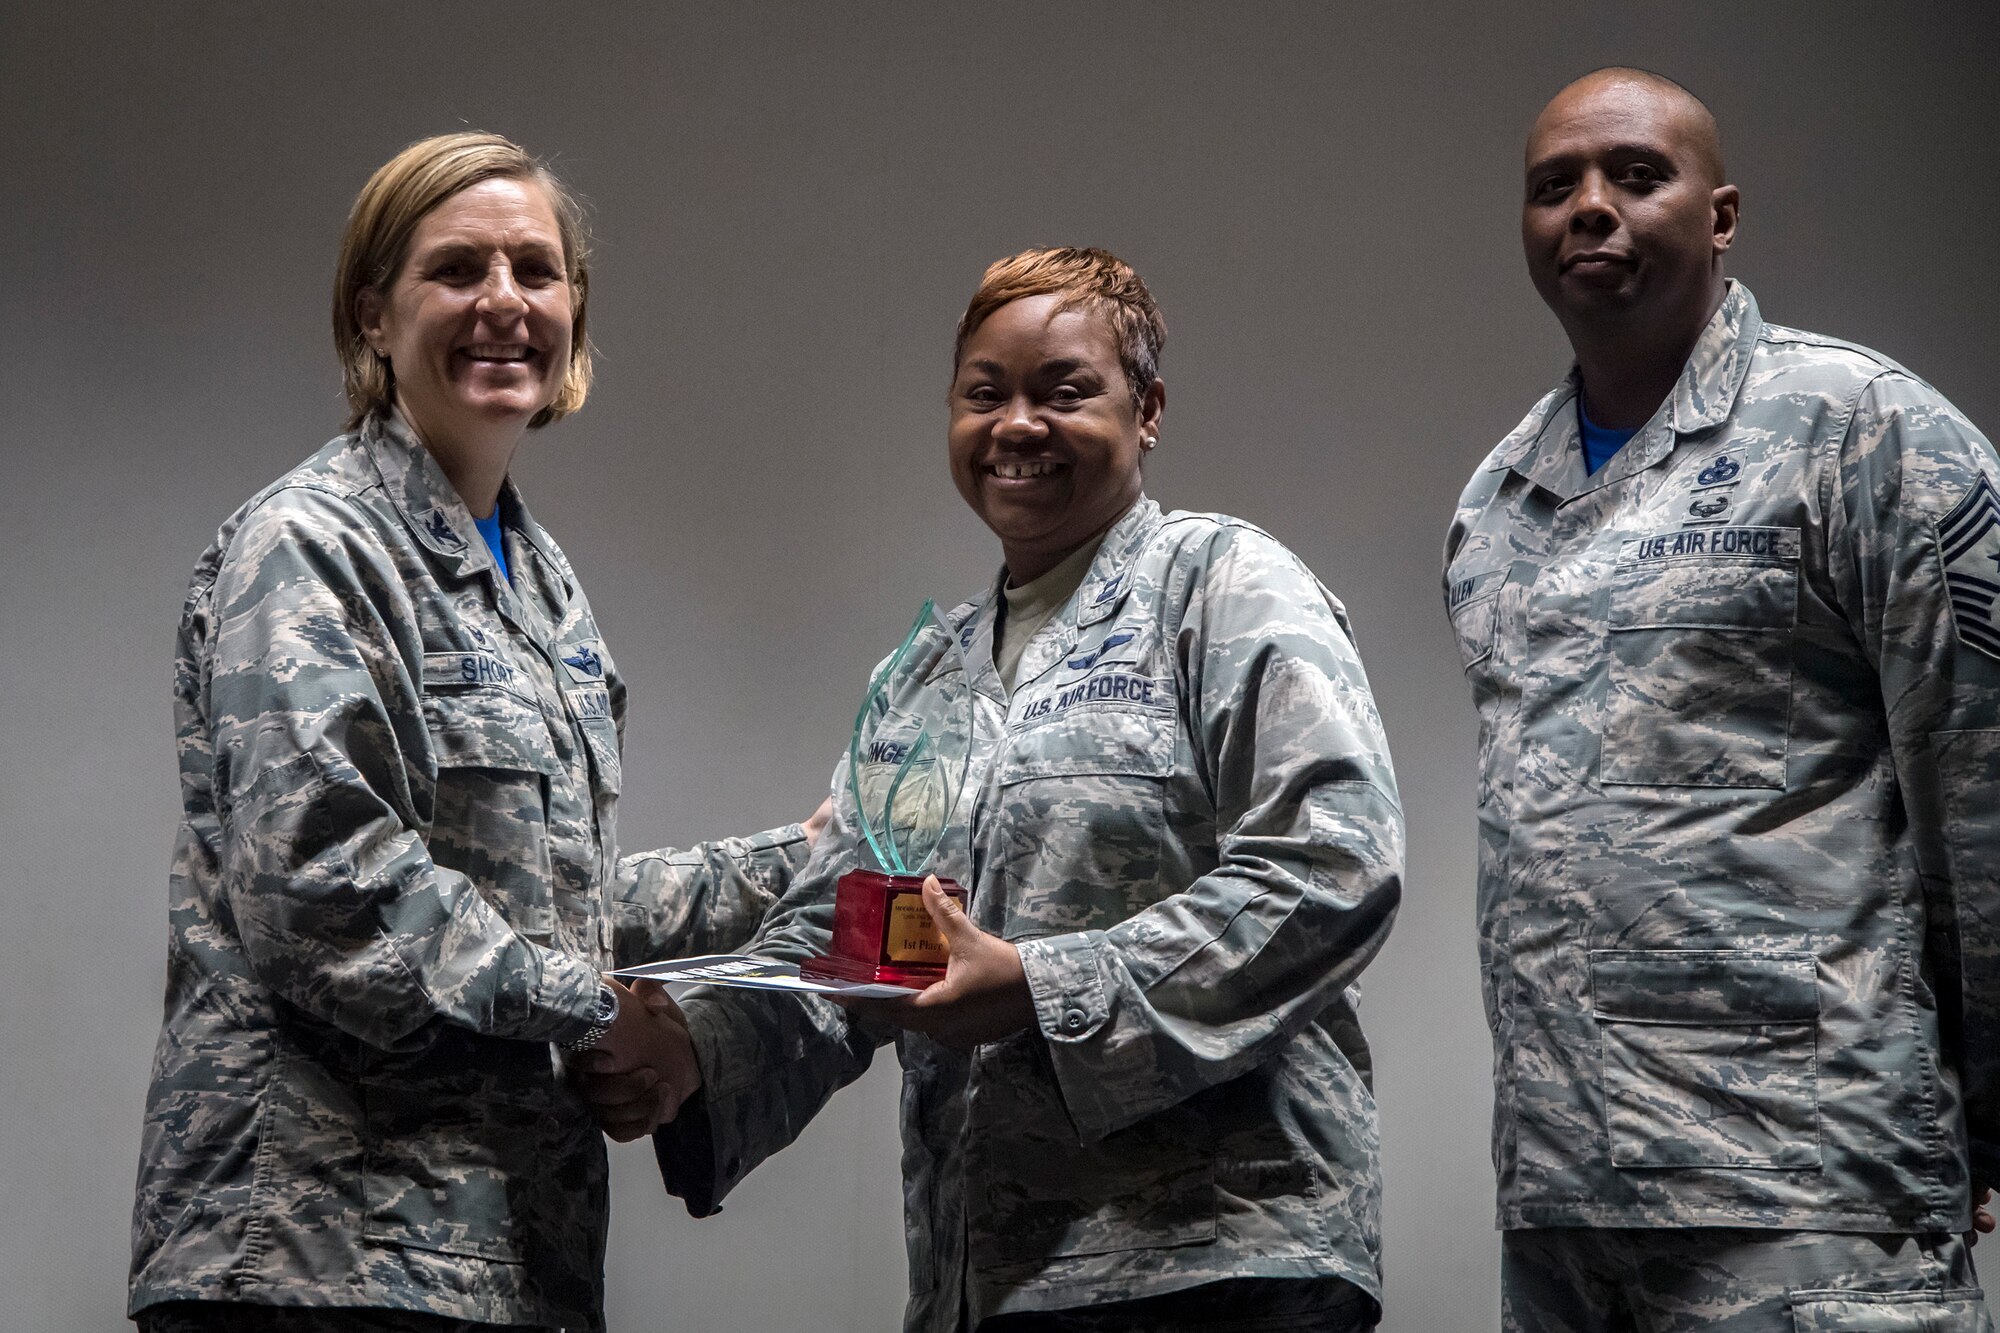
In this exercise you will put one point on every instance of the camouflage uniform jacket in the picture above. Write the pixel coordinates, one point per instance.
(1738, 830)
(393, 887)
(1184, 816)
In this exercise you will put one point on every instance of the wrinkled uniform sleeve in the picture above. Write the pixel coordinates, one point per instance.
(324, 775)
(705, 899)
(769, 1061)
(1200, 987)
(1914, 553)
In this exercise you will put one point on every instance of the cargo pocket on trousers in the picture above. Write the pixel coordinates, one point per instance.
(1960, 1310)
(1710, 1056)
(1699, 684)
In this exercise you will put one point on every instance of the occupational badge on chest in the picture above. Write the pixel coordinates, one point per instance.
(1713, 492)
(584, 662)
(1969, 538)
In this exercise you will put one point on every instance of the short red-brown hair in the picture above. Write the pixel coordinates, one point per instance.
(1086, 279)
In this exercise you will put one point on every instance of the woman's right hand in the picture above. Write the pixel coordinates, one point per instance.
(636, 1078)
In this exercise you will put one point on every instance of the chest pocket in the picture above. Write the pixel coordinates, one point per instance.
(584, 670)
(1699, 685)
(591, 706)
(1081, 815)
(1472, 600)
(493, 754)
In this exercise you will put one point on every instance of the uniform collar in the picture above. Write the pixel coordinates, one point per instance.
(1720, 363)
(1100, 594)
(1106, 584)
(436, 515)
(423, 495)
(1546, 447)
(556, 570)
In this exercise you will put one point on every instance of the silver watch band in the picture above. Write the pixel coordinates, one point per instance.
(607, 1013)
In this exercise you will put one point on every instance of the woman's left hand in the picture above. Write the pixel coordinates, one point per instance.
(984, 995)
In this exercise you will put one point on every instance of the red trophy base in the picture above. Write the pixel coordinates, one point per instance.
(881, 932)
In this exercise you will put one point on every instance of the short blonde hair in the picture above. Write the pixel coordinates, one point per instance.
(1086, 278)
(377, 241)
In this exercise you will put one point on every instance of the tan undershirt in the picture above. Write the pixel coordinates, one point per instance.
(1030, 606)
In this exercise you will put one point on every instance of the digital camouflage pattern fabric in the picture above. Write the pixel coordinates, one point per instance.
(1739, 799)
(1737, 1280)
(1184, 816)
(394, 886)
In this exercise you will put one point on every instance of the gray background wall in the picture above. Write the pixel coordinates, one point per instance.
(792, 205)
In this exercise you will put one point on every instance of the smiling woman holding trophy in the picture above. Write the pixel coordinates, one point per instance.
(1137, 1095)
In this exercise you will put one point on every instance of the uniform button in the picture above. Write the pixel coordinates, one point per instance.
(1074, 1020)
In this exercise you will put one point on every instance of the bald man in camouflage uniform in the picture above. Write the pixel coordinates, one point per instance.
(1739, 699)
(394, 888)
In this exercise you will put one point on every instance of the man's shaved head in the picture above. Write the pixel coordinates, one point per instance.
(1625, 217)
(1704, 137)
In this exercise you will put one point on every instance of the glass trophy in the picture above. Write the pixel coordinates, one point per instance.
(906, 765)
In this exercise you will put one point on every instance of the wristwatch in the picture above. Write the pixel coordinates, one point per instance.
(600, 1022)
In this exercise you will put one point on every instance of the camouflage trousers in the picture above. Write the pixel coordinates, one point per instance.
(1232, 1305)
(238, 1317)
(1730, 1280)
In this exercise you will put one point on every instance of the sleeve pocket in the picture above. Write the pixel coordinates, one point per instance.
(1967, 775)
(1710, 1056)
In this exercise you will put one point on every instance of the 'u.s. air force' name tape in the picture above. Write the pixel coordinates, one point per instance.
(1106, 686)
(1733, 543)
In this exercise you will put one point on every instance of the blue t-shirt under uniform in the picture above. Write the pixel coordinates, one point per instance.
(489, 528)
(1599, 443)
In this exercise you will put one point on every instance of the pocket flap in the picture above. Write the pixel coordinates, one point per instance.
(1887, 1311)
(1709, 987)
(1726, 594)
(485, 726)
(602, 738)
(1471, 601)
(1089, 740)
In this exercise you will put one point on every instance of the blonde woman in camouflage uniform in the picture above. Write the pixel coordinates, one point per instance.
(397, 876)
(1140, 1098)
(1726, 601)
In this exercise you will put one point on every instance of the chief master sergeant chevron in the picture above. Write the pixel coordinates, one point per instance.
(1726, 602)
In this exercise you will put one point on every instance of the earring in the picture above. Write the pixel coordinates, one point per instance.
(1150, 442)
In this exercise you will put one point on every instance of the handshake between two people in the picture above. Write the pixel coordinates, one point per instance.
(637, 1077)
(643, 1068)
